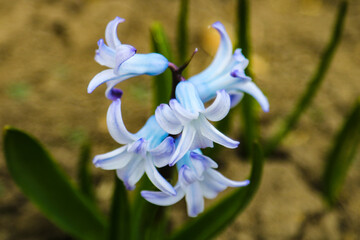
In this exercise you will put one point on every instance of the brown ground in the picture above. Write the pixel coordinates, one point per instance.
(46, 54)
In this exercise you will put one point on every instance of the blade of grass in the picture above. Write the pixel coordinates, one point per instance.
(214, 220)
(314, 84)
(162, 83)
(44, 183)
(341, 155)
(119, 224)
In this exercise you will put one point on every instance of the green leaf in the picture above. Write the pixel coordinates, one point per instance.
(341, 155)
(248, 107)
(183, 32)
(47, 186)
(84, 175)
(119, 225)
(162, 84)
(214, 220)
(147, 219)
(314, 84)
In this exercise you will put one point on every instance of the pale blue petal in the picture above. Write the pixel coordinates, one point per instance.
(188, 97)
(167, 119)
(102, 77)
(111, 33)
(116, 125)
(201, 142)
(132, 173)
(152, 132)
(163, 199)
(221, 60)
(111, 83)
(253, 90)
(210, 132)
(219, 108)
(156, 178)
(123, 53)
(240, 58)
(194, 199)
(216, 176)
(186, 140)
(115, 159)
(181, 113)
(149, 64)
(104, 55)
(162, 153)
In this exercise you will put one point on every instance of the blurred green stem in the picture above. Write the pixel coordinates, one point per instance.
(313, 85)
(84, 176)
(341, 155)
(182, 32)
(249, 113)
(119, 224)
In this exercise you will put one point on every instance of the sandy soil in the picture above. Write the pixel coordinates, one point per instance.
(46, 55)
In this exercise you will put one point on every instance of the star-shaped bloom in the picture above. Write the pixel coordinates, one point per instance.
(197, 179)
(143, 151)
(187, 115)
(123, 61)
(227, 72)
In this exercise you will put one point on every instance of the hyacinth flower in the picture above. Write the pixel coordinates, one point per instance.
(123, 62)
(143, 151)
(187, 115)
(227, 72)
(197, 179)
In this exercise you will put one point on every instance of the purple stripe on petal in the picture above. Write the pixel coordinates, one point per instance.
(163, 199)
(115, 159)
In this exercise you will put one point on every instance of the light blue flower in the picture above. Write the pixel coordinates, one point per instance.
(149, 148)
(196, 179)
(227, 72)
(187, 115)
(123, 61)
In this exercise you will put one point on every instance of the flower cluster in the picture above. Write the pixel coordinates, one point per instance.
(178, 130)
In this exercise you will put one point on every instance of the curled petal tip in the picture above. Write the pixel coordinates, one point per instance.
(218, 25)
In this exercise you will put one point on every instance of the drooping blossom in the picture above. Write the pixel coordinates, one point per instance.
(227, 71)
(123, 61)
(143, 151)
(197, 179)
(187, 115)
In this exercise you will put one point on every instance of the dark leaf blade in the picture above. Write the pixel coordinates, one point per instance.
(341, 155)
(119, 224)
(210, 223)
(47, 186)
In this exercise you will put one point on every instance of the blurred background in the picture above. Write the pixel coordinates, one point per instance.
(47, 59)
